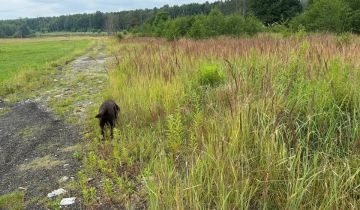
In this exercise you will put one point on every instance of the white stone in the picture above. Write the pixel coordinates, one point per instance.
(64, 179)
(56, 193)
(67, 201)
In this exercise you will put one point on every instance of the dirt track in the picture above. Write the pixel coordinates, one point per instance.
(37, 146)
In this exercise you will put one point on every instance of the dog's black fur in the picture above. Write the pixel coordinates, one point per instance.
(108, 114)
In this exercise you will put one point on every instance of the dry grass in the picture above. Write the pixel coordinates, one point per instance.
(46, 162)
(279, 133)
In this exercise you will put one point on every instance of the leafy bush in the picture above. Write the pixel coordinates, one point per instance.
(210, 75)
(253, 25)
(119, 35)
(325, 15)
(178, 28)
(237, 25)
(343, 38)
(282, 29)
(201, 26)
(198, 30)
(276, 10)
(355, 21)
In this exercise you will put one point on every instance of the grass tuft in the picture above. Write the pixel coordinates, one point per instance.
(14, 200)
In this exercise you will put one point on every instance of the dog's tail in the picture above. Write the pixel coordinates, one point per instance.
(101, 114)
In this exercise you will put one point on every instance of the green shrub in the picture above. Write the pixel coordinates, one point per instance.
(119, 35)
(253, 25)
(210, 75)
(343, 38)
(280, 28)
(108, 187)
(323, 15)
(198, 30)
(14, 200)
(237, 25)
(178, 28)
(202, 26)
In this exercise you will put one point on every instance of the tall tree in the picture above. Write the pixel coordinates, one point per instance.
(22, 31)
(99, 20)
(324, 15)
(272, 11)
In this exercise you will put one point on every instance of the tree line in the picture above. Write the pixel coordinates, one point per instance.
(229, 17)
(200, 26)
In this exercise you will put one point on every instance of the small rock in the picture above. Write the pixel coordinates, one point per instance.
(64, 179)
(59, 68)
(22, 188)
(80, 110)
(67, 201)
(56, 193)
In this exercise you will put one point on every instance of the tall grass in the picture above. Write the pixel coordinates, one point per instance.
(272, 124)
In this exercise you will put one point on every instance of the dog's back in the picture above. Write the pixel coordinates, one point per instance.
(108, 114)
(108, 110)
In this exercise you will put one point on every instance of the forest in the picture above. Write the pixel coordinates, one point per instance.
(198, 21)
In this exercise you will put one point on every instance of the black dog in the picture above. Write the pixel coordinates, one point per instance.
(108, 113)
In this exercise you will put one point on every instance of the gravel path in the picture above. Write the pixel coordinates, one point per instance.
(36, 145)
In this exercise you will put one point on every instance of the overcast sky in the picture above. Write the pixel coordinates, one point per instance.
(13, 9)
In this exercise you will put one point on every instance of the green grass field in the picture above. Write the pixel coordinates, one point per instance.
(22, 59)
(249, 123)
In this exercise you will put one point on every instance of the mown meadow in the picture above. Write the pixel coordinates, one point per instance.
(23, 62)
(231, 123)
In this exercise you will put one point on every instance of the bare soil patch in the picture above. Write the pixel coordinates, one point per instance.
(37, 144)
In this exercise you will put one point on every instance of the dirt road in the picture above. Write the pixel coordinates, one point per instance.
(37, 145)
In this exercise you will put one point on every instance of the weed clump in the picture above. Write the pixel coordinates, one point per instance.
(119, 36)
(210, 75)
(343, 39)
(14, 200)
